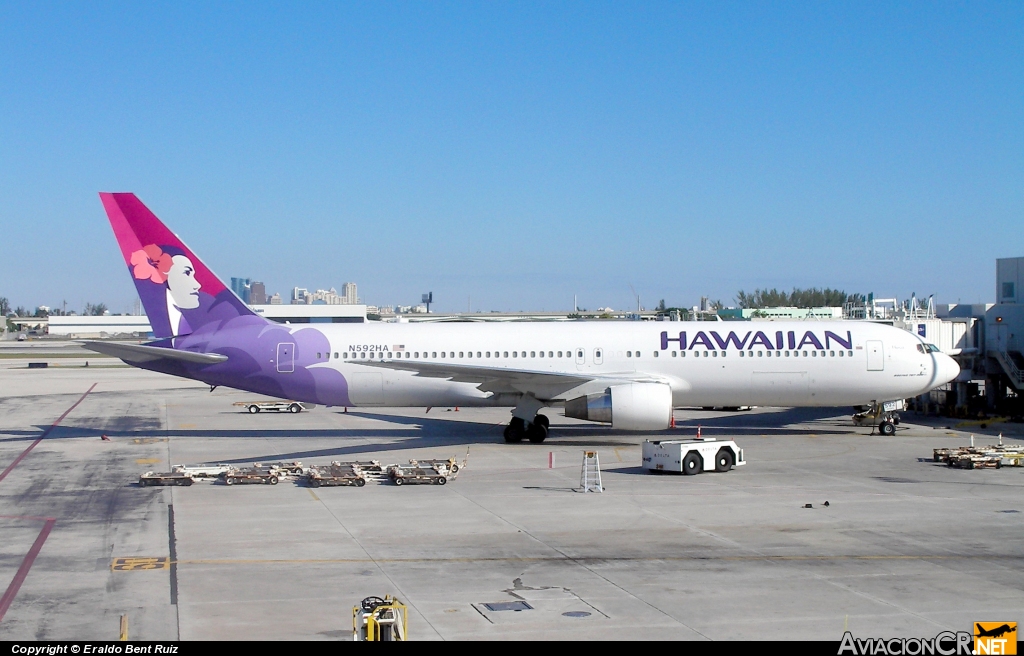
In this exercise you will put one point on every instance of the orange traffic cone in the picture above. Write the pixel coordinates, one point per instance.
(672, 422)
(698, 432)
(456, 408)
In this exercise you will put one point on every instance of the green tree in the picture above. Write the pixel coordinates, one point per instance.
(803, 298)
(5, 306)
(96, 310)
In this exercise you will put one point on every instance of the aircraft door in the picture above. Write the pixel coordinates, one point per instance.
(876, 355)
(581, 356)
(285, 358)
(598, 355)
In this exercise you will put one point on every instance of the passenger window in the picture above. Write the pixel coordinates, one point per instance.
(551, 354)
(682, 354)
(714, 354)
(478, 354)
(629, 354)
(363, 355)
(638, 354)
(814, 354)
(442, 354)
(460, 355)
(705, 354)
(515, 354)
(805, 354)
(759, 353)
(849, 353)
(741, 354)
(673, 354)
(655, 354)
(559, 354)
(433, 354)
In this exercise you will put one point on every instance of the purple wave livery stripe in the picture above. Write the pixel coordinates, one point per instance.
(190, 309)
(713, 340)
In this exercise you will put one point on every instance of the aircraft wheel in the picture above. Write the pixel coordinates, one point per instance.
(515, 430)
(692, 464)
(537, 433)
(543, 421)
(723, 461)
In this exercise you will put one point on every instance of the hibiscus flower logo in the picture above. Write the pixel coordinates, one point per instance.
(152, 263)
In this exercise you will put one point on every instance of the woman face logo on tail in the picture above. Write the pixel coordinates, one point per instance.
(182, 284)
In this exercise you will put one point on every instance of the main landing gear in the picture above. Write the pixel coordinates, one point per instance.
(536, 431)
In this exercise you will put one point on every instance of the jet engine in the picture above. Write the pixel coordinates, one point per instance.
(630, 406)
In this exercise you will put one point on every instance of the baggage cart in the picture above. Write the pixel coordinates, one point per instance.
(334, 476)
(249, 475)
(254, 407)
(165, 478)
(401, 475)
(202, 470)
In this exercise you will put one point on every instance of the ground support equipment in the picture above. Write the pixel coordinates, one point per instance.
(334, 476)
(202, 471)
(401, 475)
(691, 456)
(284, 469)
(274, 406)
(165, 478)
(380, 620)
(251, 475)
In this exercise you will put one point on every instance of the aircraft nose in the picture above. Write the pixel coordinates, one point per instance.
(946, 368)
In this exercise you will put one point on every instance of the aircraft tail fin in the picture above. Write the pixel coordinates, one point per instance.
(179, 293)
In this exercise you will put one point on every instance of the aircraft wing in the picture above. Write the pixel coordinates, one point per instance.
(140, 353)
(542, 384)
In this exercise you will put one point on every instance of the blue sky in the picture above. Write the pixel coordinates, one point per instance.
(518, 153)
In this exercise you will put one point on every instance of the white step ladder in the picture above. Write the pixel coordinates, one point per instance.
(590, 475)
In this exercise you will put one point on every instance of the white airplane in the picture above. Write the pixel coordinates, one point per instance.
(628, 374)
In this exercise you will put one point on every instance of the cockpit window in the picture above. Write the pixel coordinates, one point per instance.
(927, 348)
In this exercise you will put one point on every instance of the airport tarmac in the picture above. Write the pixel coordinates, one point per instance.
(906, 547)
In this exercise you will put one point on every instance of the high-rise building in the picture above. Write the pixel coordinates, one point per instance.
(241, 287)
(349, 293)
(257, 293)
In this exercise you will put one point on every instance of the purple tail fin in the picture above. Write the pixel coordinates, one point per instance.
(180, 294)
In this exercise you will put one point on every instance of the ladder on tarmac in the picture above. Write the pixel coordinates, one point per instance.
(590, 475)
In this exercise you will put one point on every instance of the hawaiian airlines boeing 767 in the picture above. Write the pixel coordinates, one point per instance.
(627, 374)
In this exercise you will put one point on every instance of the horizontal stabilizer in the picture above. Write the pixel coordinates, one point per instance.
(139, 353)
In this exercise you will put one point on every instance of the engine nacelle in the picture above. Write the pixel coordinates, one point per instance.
(630, 406)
